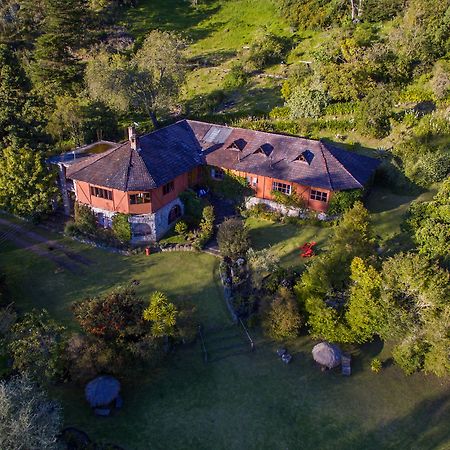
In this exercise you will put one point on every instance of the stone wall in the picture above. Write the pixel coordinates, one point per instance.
(274, 206)
(157, 224)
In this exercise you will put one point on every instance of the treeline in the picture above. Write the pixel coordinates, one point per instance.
(70, 76)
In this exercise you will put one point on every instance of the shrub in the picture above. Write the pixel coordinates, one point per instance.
(162, 314)
(233, 238)
(193, 206)
(121, 227)
(293, 200)
(409, 356)
(307, 103)
(282, 319)
(280, 112)
(373, 113)
(265, 50)
(376, 365)
(85, 219)
(236, 77)
(344, 200)
(181, 228)
(36, 344)
(28, 419)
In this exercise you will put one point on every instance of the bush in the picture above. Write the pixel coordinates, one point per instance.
(206, 228)
(342, 201)
(233, 239)
(235, 78)
(282, 319)
(36, 344)
(376, 365)
(265, 50)
(374, 112)
(307, 103)
(85, 219)
(121, 227)
(29, 420)
(181, 228)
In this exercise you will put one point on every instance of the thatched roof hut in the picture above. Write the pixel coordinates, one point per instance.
(101, 391)
(326, 354)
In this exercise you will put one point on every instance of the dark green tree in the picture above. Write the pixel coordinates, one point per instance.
(27, 187)
(36, 344)
(65, 30)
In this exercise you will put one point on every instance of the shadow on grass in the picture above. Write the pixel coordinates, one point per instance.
(170, 15)
(423, 428)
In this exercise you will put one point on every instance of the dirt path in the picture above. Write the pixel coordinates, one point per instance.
(25, 238)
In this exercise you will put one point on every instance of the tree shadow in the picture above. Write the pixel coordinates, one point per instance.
(170, 15)
(426, 427)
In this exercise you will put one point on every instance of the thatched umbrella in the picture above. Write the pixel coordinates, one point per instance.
(101, 391)
(328, 355)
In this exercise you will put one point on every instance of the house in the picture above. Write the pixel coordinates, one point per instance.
(144, 176)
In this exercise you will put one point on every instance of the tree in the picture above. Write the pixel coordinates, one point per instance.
(85, 219)
(12, 92)
(374, 112)
(56, 66)
(262, 262)
(233, 238)
(363, 310)
(429, 224)
(283, 319)
(115, 317)
(121, 227)
(323, 290)
(414, 302)
(36, 344)
(162, 314)
(146, 84)
(28, 420)
(26, 185)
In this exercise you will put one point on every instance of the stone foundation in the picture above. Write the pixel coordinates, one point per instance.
(152, 227)
(274, 206)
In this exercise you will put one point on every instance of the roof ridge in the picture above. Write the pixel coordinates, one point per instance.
(129, 168)
(340, 163)
(326, 164)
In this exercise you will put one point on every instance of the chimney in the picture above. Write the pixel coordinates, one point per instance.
(133, 138)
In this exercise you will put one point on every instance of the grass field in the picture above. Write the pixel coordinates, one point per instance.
(285, 239)
(248, 401)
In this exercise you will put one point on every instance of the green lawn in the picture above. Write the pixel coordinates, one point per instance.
(248, 401)
(387, 214)
(285, 239)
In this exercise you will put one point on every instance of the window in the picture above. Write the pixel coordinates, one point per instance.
(252, 181)
(142, 197)
(174, 214)
(217, 173)
(281, 187)
(101, 193)
(169, 187)
(318, 195)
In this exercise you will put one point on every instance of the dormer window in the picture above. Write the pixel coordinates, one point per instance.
(237, 145)
(305, 157)
(264, 149)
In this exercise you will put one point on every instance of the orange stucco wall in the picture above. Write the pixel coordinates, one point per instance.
(121, 200)
(263, 189)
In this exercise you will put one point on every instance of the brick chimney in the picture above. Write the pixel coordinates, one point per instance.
(133, 138)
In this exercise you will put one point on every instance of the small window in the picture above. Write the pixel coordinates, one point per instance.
(217, 174)
(319, 195)
(282, 187)
(101, 193)
(174, 214)
(169, 187)
(252, 181)
(142, 197)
